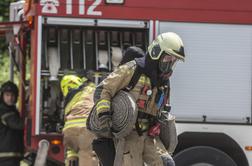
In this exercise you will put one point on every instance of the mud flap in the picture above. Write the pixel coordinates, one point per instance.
(105, 150)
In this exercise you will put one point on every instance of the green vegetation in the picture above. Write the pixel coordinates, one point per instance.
(4, 67)
(4, 9)
(4, 57)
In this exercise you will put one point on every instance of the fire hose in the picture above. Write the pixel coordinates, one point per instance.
(123, 120)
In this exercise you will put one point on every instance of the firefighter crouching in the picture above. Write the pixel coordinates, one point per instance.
(145, 79)
(78, 95)
(11, 127)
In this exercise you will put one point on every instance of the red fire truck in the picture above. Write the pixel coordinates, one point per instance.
(211, 91)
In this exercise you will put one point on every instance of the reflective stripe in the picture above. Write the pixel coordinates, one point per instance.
(101, 105)
(71, 153)
(10, 154)
(5, 116)
(80, 120)
(145, 80)
(75, 123)
(77, 98)
(89, 89)
(103, 102)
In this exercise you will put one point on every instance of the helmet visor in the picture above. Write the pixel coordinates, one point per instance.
(156, 52)
(167, 63)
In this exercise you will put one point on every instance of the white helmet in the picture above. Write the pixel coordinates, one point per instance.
(168, 42)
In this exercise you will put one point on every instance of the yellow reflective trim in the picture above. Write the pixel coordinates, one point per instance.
(144, 79)
(147, 80)
(75, 123)
(76, 120)
(77, 98)
(102, 107)
(103, 101)
(10, 154)
(24, 163)
(103, 104)
(88, 89)
(71, 153)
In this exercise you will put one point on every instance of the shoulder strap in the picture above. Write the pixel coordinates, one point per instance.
(167, 103)
(137, 74)
(71, 94)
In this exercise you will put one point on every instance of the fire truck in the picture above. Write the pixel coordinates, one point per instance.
(210, 92)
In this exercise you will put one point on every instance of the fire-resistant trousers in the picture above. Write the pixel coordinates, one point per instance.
(140, 150)
(80, 140)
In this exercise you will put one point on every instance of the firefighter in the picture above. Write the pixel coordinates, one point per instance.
(130, 54)
(78, 95)
(145, 78)
(104, 147)
(11, 127)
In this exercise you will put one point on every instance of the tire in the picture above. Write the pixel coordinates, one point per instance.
(203, 156)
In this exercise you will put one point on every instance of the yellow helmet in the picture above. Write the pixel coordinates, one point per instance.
(168, 42)
(70, 82)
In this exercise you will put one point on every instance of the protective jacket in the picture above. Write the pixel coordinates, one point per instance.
(79, 103)
(149, 100)
(11, 134)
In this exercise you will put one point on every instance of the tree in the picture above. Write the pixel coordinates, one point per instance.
(4, 58)
(4, 9)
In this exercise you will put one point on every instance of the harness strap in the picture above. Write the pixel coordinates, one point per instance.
(71, 94)
(137, 74)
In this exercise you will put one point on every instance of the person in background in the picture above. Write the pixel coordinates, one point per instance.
(11, 127)
(78, 95)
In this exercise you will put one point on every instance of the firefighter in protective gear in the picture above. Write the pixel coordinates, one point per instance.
(11, 127)
(103, 146)
(78, 95)
(130, 54)
(152, 72)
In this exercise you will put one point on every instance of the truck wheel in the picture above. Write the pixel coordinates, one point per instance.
(203, 156)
